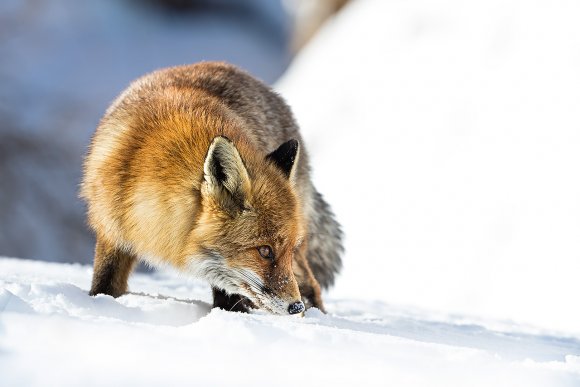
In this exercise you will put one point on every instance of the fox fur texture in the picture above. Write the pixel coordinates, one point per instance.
(202, 168)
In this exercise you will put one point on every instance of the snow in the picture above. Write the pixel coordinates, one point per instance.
(446, 138)
(445, 135)
(164, 333)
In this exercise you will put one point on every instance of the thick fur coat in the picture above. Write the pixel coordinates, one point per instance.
(202, 167)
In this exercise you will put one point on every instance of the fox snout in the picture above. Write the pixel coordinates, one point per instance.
(296, 307)
(275, 292)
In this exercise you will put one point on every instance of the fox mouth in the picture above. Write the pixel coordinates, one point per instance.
(271, 304)
(252, 287)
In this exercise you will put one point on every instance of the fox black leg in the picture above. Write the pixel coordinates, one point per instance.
(307, 283)
(311, 296)
(232, 303)
(111, 270)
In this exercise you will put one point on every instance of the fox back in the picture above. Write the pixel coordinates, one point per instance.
(202, 167)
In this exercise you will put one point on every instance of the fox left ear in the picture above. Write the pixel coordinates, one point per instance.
(225, 175)
(285, 157)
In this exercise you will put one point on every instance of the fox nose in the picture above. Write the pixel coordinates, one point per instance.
(296, 307)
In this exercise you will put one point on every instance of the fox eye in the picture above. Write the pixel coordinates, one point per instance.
(266, 252)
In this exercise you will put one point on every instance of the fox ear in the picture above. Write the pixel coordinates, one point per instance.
(225, 174)
(285, 157)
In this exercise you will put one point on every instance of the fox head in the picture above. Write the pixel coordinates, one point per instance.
(251, 225)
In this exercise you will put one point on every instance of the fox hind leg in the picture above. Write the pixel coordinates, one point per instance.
(112, 267)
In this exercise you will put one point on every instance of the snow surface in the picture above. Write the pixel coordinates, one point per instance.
(164, 333)
(446, 136)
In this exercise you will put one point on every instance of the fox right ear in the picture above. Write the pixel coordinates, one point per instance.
(285, 157)
(225, 174)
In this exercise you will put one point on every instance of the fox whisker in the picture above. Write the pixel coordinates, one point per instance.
(257, 287)
(233, 306)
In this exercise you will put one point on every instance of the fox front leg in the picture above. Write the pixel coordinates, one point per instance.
(112, 267)
(307, 283)
(231, 303)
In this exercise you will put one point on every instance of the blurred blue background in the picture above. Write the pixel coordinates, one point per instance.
(63, 61)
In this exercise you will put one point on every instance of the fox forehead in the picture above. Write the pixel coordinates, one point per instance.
(259, 229)
(275, 207)
(263, 225)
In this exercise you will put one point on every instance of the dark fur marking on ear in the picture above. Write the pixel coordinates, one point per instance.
(285, 156)
(217, 168)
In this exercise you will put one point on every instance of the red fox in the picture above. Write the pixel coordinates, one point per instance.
(202, 167)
